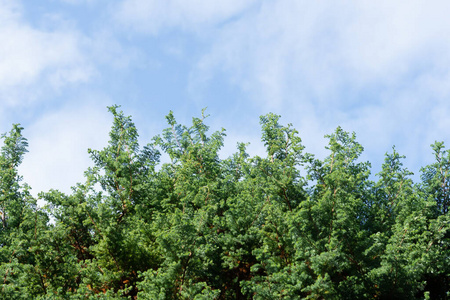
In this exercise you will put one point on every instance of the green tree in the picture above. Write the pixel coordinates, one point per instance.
(282, 226)
(20, 223)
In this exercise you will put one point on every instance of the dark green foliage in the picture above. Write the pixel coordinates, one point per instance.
(284, 226)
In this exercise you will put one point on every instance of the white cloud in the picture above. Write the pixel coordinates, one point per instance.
(58, 144)
(378, 68)
(32, 59)
(151, 16)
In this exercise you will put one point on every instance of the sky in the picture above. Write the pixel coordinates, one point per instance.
(378, 68)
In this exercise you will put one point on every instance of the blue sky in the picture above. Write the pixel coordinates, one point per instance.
(381, 69)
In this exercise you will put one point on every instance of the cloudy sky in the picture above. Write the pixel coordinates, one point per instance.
(379, 68)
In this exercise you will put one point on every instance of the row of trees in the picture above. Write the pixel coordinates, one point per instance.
(201, 227)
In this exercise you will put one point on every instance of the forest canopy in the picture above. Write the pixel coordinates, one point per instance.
(283, 226)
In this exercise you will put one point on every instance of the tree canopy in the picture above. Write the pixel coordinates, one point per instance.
(283, 226)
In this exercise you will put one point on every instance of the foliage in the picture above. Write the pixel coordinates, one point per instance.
(283, 226)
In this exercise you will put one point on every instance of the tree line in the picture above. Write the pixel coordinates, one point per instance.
(283, 226)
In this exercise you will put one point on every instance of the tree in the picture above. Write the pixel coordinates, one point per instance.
(283, 226)
(21, 221)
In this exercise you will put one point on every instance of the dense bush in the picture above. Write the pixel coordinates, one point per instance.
(284, 226)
